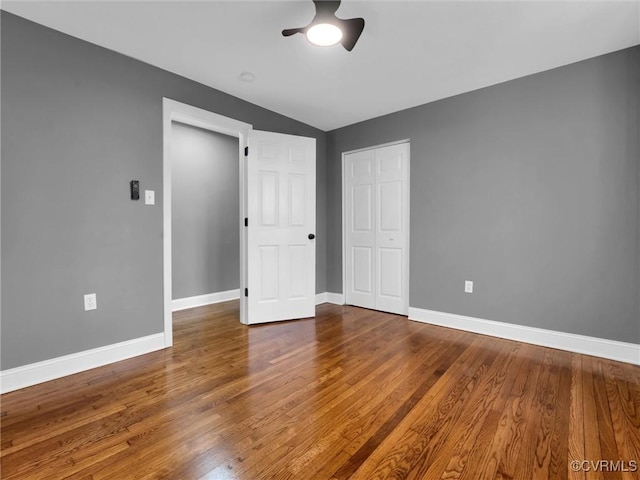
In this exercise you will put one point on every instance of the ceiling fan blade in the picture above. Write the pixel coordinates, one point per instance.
(351, 31)
(326, 8)
(292, 31)
(326, 13)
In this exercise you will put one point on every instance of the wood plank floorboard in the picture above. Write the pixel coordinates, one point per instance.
(350, 394)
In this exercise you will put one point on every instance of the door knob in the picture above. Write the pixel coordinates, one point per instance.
(311, 236)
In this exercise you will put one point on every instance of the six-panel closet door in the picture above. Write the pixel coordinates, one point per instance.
(376, 240)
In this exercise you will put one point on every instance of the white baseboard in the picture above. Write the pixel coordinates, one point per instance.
(335, 298)
(207, 299)
(34, 373)
(321, 298)
(329, 297)
(599, 347)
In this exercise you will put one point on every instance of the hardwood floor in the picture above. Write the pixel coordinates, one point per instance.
(351, 394)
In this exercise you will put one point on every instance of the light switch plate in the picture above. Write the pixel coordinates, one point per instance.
(468, 286)
(149, 197)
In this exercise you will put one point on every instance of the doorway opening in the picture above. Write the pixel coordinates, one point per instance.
(204, 218)
(186, 115)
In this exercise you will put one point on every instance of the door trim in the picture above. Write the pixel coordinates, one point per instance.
(373, 147)
(197, 117)
(344, 216)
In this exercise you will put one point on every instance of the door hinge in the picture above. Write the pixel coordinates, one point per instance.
(246, 292)
(246, 151)
(246, 222)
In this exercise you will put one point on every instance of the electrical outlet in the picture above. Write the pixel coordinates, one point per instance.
(90, 302)
(468, 286)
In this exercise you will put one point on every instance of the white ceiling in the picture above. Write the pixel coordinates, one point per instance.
(410, 53)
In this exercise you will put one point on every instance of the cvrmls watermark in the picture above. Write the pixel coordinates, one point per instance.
(604, 466)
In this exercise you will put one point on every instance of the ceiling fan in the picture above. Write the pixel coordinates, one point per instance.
(326, 29)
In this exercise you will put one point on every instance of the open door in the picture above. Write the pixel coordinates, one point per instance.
(280, 227)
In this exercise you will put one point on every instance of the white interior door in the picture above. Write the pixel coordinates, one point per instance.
(377, 228)
(360, 223)
(281, 222)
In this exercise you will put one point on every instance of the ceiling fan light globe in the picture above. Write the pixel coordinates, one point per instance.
(324, 34)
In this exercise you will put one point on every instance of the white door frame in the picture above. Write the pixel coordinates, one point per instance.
(344, 214)
(197, 117)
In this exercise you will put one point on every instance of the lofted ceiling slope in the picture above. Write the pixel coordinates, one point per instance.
(410, 53)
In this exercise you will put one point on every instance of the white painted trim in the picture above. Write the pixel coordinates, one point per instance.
(32, 374)
(335, 298)
(329, 297)
(207, 299)
(388, 144)
(187, 114)
(321, 298)
(343, 211)
(599, 347)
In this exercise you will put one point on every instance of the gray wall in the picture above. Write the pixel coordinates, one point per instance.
(530, 189)
(205, 198)
(78, 123)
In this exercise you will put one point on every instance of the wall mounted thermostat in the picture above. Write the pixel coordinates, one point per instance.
(135, 189)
